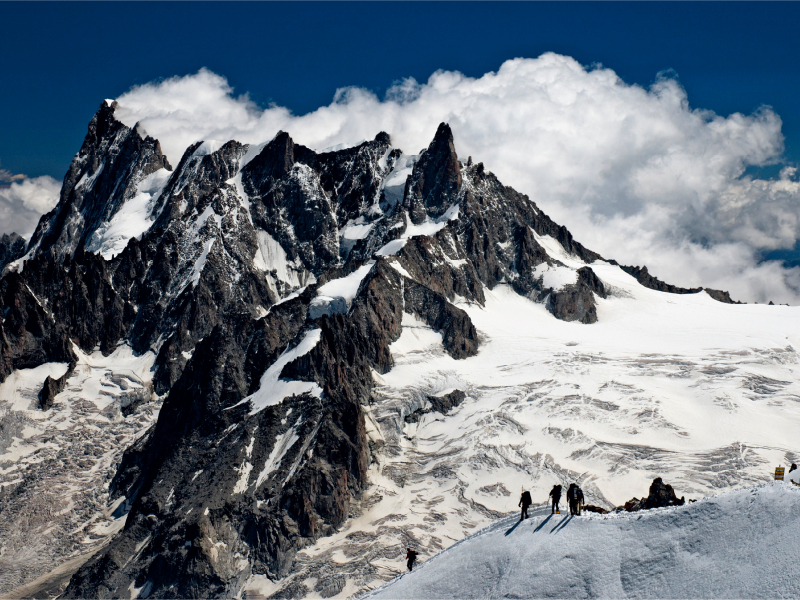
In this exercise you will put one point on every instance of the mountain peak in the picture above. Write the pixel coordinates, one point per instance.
(444, 135)
(436, 177)
(275, 160)
(102, 123)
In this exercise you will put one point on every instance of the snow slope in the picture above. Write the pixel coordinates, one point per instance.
(742, 544)
(703, 394)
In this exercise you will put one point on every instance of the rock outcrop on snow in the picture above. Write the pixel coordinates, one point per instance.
(647, 280)
(268, 284)
(442, 404)
(660, 495)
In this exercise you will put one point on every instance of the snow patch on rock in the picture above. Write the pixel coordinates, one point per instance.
(273, 389)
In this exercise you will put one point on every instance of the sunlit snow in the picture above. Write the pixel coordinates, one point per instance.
(741, 544)
(132, 219)
(273, 389)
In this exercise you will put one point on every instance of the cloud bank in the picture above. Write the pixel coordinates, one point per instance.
(636, 174)
(23, 200)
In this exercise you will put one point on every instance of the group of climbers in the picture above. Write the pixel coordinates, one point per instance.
(574, 499)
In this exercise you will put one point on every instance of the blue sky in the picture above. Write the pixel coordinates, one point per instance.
(629, 170)
(60, 60)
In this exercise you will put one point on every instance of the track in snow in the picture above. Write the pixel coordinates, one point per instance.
(741, 544)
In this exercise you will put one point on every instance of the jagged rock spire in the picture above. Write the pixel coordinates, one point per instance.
(436, 178)
(113, 159)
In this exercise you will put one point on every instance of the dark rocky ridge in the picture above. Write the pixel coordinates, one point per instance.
(207, 288)
(12, 247)
(643, 276)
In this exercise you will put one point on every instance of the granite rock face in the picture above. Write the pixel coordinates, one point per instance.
(222, 284)
(103, 175)
(12, 247)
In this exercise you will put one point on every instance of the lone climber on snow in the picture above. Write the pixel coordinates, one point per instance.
(525, 501)
(555, 494)
(411, 556)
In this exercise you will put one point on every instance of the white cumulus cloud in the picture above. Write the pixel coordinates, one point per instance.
(24, 201)
(635, 173)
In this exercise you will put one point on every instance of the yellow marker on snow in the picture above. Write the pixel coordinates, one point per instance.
(779, 473)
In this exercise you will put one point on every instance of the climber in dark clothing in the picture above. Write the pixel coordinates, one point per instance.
(555, 494)
(525, 501)
(411, 556)
(579, 500)
(575, 499)
(571, 498)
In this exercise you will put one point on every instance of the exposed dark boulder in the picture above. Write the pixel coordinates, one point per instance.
(442, 404)
(446, 402)
(575, 302)
(659, 496)
(52, 387)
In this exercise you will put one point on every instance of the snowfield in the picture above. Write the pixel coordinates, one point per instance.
(742, 544)
(701, 393)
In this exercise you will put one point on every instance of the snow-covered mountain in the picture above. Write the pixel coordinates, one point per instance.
(741, 544)
(268, 370)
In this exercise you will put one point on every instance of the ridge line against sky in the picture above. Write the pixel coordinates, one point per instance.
(692, 222)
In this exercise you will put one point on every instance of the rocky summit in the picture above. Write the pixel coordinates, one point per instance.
(196, 364)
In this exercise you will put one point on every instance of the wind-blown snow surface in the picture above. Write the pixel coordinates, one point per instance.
(56, 465)
(703, 394)
(743, 544)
